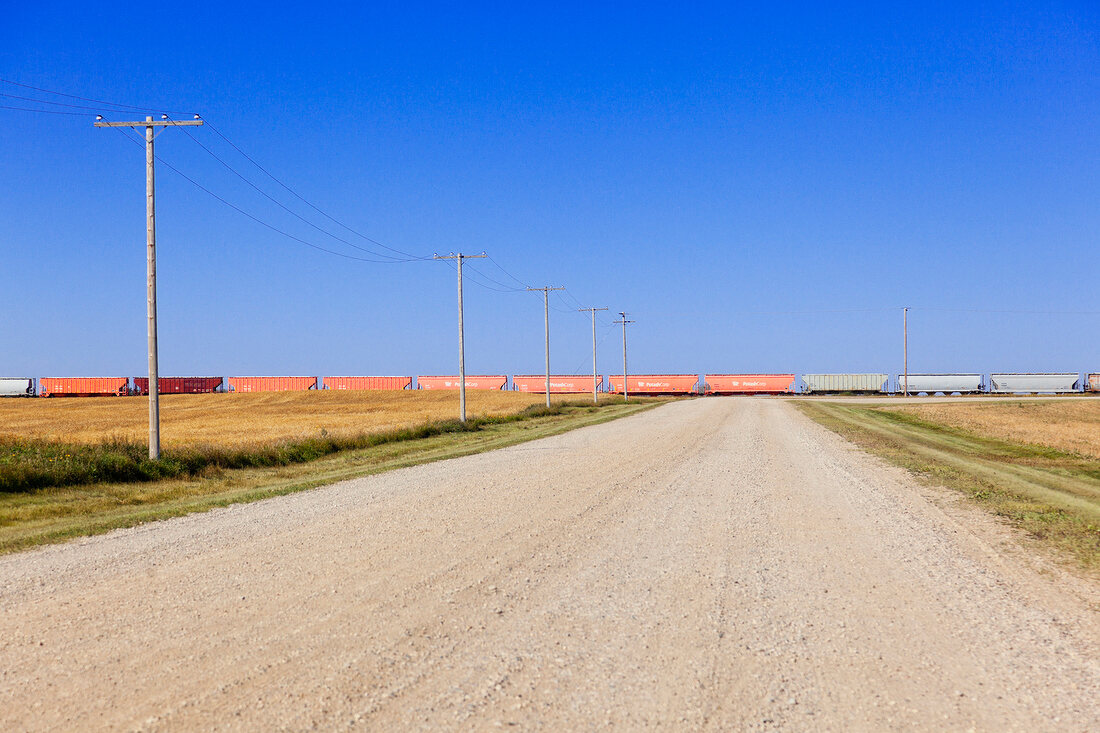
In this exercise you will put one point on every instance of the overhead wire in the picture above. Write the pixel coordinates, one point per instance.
(287, 209)
(498, 286)
(576, 302)
(119, 107)
(390, 259)
(606, 332)
(468, 272)
(557, 293)
(561, 298)
(305, 201)
(86, 99)
(478, 277)
(561, 310)
(504, 287)
(582, 310)
(46, 101)
(241, 211)
(48, 111)
(506, 272)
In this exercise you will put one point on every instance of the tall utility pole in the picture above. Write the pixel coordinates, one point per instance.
(461, 344)
(595, 380)
(546, 314)
(151, 264)
(626, 389)
(905, 347)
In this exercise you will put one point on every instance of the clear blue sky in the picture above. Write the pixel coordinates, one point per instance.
(737, 179)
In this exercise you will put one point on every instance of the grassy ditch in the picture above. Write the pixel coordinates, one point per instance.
(1052, 494)
(190, 480)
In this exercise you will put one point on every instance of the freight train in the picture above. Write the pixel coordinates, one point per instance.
(637, 384)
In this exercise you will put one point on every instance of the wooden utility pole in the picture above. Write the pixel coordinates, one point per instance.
(595, 381)
(546, 316)
(626, 389)
(461, 343)
(905, 348)
(151, 264)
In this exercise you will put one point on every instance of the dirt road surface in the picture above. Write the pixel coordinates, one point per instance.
(714, 564)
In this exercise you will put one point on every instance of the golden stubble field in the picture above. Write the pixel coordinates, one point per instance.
(247, 419)
(1071, 425)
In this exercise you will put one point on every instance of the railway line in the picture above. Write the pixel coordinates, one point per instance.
(639, 384)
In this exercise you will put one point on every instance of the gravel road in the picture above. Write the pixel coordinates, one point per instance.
(721, 563)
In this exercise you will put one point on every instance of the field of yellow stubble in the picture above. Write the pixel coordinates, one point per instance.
(245, 419)
(1071, 425)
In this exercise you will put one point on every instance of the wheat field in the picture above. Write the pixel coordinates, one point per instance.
(1063, 424)
(237, 420)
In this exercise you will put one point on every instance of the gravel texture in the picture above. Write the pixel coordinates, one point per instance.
(720, 563)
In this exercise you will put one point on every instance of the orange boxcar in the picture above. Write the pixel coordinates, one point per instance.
(83, 386)
(654, 383)
(496, 381)
(559, 384)
(749, 383)
(365, 383)
(272, 384)
(179, 385)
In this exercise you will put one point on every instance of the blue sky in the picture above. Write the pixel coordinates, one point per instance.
(761, 189)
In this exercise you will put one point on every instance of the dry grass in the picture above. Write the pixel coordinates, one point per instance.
(241, 420)
(1072, 426)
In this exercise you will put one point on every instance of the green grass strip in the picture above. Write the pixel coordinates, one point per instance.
(1051, 494)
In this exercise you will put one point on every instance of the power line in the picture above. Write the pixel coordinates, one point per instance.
(46, 101)
(259, 221)
(576, 302)
(290, 211)
(86, 99)
(608, 329)
(480, 278)
(504, 287)
(298, 196)
(580, 306)
(477, 278)
(568, 308)
(217, 132)
(48, 111)
(509, 274)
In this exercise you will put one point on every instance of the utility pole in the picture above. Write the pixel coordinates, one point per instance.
(151, 264)
(626, 389)
(546, 314)
(905, 347)
(595, 380)
(461, 344)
